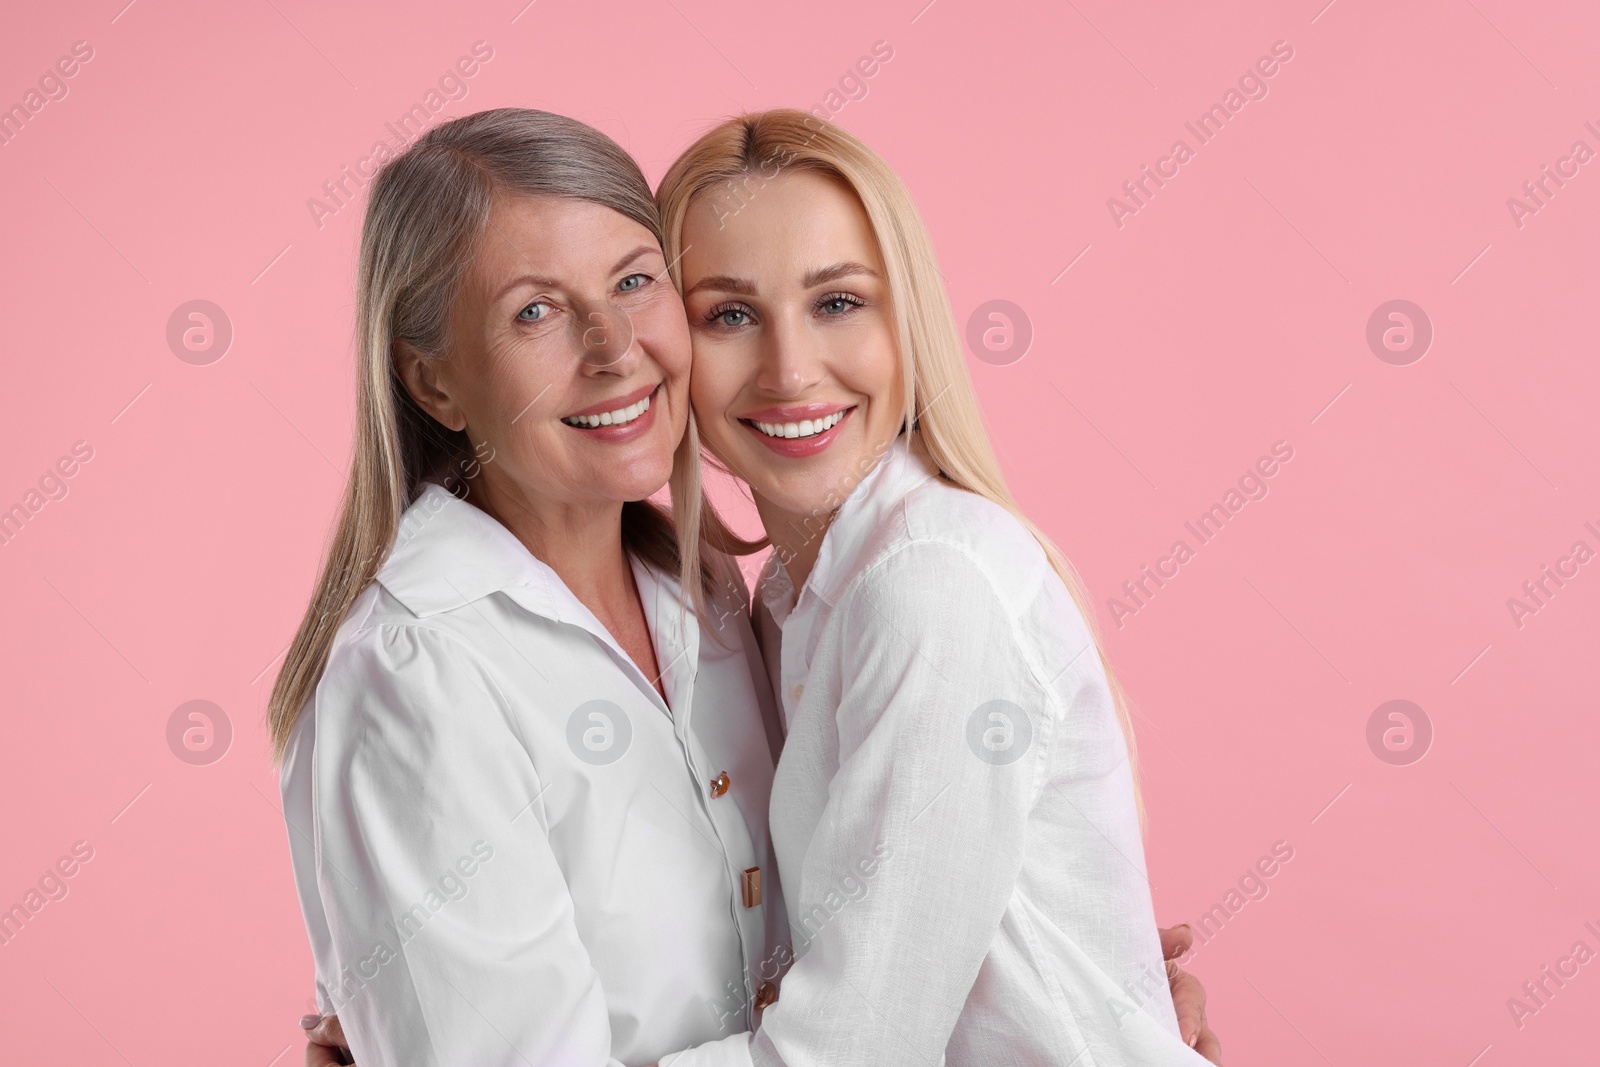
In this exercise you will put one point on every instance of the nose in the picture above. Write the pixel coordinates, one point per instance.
(604, 338)
(791, 358)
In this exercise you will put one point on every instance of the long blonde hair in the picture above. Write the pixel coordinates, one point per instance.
(942, 413)
(426, 218)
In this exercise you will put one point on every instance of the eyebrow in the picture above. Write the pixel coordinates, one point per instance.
(727, 283)
(824, 275)
(723, 283)
(642, 250)
(539, 281)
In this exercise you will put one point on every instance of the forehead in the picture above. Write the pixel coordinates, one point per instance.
(792, 223)
(554, 235)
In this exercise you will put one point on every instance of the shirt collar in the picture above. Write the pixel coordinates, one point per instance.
(449, 553)
(853, 533)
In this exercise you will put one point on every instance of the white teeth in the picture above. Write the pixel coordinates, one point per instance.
(803, 428)
(620, 417)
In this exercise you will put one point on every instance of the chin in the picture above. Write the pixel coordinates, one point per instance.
(642, 467)
(650, 476)
(639, 485)
(793, 493)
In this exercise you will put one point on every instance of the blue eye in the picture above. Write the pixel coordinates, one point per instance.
(839, 303)
(539, 314)
(731, 317)
(633, 283)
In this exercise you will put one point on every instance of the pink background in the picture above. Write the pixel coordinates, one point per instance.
(1228, 313)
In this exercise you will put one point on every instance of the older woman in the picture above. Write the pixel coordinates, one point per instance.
(526, 762)
(526, 788)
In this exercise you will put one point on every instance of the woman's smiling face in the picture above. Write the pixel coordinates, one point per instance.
(797, 381)
(569, 356)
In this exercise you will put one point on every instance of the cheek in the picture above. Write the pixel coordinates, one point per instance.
(713, 387)
(882, 381)
(663, 332)
(514, 374)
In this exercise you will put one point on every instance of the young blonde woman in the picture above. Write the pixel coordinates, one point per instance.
(955, 811)
(525, 780)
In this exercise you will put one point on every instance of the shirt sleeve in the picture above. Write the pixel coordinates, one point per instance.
(943, 729)
(451, 926)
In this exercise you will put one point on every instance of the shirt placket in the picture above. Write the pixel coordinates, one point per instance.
(745, 870)
(679, 639)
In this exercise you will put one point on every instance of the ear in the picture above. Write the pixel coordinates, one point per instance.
(420, 375)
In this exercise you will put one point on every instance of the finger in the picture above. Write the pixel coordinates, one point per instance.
(321, 1055)
(327, 1031)
(1189, 1002)
(1175, 941)
(1209, 1047)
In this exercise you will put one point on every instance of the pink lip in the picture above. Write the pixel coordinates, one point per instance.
(615, 405)
(795, 413)
(801, 447)
(615, 435)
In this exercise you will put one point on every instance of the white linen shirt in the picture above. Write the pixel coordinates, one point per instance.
(953, 811)
(508, 848)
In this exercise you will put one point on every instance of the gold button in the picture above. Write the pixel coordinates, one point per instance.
(766, 995)
(720, 784)
(750, 884)
(798, 691)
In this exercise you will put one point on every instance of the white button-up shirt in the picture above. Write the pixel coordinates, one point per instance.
(953, 811)
(508, 848)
